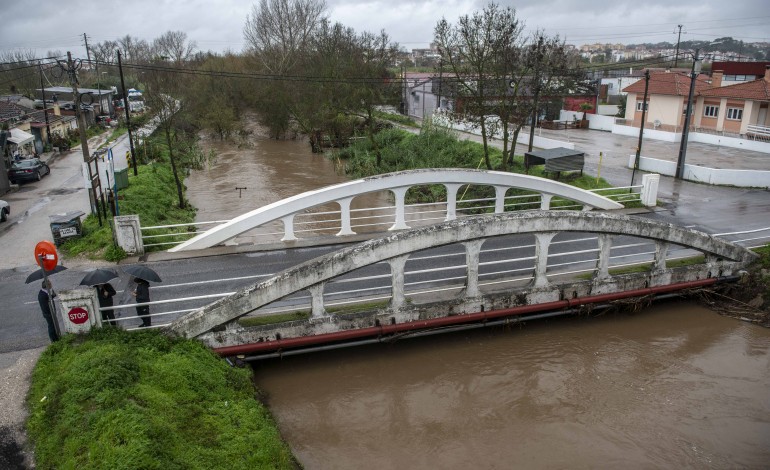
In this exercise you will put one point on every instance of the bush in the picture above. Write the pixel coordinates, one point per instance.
(119, 400)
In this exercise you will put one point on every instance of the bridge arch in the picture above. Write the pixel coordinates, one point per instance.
(398, 183)
(395, 248)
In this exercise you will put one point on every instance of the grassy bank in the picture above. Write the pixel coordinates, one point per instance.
(436, 147)
(119, 400)
(151, 195)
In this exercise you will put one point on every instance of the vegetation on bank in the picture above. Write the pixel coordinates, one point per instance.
(119, 400)
(151, 195)
(439, 147)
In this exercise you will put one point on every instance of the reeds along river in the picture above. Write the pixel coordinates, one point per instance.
(673, 386)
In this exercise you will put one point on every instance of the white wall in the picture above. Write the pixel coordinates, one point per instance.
(539, 142)
(601, 123)
(608, 110)
(648, 133)
(753, 145)
(740, 178)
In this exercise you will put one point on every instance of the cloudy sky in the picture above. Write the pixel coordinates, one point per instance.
(218, 24)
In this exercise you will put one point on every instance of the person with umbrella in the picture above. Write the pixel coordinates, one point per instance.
(142, 294)
(99, 278)
(142, 274)
(44, 299)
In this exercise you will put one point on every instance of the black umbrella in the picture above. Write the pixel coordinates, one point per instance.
(142, 272)
(37, 275)
(98, 276)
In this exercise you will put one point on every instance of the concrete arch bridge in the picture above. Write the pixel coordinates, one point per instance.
(398, 184)
(481, 288)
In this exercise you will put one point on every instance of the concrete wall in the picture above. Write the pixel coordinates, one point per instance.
(608, 110)
(740, 178)
(648, 133)
(666, 109)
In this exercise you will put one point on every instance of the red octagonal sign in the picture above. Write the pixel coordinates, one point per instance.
(78, 315)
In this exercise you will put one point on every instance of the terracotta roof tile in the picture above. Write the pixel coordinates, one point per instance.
(668, 83)
(758, 90)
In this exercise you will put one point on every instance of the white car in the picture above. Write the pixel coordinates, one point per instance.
(5, 209)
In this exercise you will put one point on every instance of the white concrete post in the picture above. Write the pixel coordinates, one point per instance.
(472, 250)
(542, 243)
(661, 250)
(649, 195)
(451, 200)
(288, 228)
(500, 199)
(603, 262)
(128, 234)
(79, 310)
(545, 201)
(398, 298)
(317, 301)
(345, 228)
(399, 194)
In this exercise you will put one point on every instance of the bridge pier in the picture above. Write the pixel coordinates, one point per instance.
(603, 261)
(398, 298)
(472, 250)
(345, 228)
(542, 243)
(451, 201)
(400, 195)
(288, 228)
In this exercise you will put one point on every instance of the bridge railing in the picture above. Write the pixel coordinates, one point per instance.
(295, 216)
(621, 258)
(316, 276)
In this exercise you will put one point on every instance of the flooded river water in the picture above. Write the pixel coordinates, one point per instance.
(673, 386)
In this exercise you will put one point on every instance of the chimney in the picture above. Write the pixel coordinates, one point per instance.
(767, 73)
(716, 78)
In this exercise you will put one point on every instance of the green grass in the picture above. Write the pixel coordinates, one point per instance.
(678, 263)
(119, 400)
(273, 319)
(152, 195)
(397, 118)
(435, 147)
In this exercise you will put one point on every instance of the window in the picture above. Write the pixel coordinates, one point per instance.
(639, 105)
(735, 114)
(711, 111)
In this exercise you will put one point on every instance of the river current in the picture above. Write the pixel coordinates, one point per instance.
(675, 385)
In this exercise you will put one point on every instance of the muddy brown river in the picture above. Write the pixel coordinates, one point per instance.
(673, 386)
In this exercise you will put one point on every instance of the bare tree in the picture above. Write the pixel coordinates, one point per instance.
(19, 72)
(174, 46)
(278, 30)
(473, 49)
(133, 49)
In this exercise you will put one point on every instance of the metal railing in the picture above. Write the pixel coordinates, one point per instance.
(378, 219)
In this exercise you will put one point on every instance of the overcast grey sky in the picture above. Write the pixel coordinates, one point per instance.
(218, 24)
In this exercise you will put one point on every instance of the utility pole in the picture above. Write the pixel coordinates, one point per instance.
(72, 72)
(128, 115)
(641, 128)
(45, 106)
(98, 77)
(538, 58)
(686, 131)
(676, 57)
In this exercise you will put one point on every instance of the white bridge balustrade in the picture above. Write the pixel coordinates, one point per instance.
(398, 184)
(216, 324)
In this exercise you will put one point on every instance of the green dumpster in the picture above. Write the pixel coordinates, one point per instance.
(121, 178)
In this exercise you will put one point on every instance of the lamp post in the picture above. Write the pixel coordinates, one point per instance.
(696, 65)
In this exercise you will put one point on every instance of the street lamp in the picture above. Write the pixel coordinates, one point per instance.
(696, 66)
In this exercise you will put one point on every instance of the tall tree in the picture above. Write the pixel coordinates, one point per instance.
(473, 49)
(174, 46)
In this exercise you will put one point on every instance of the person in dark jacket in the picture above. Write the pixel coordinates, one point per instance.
(44, 299)
(142, 294)
(106, 292)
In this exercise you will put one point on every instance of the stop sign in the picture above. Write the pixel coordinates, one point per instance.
(47, 251)
(78, 315)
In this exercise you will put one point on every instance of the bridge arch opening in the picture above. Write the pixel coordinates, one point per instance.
(506, 262)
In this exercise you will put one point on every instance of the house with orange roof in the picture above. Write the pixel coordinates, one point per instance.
(734, 115)
(667, 95)
(740, 109)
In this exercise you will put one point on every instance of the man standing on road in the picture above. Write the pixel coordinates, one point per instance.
(44, 298)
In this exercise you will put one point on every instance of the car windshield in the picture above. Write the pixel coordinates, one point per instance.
(24, 164)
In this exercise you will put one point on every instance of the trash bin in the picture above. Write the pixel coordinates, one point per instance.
(66, 226)
(121, 178)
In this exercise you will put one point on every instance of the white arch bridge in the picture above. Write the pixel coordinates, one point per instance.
(223, 324)
(398, 184)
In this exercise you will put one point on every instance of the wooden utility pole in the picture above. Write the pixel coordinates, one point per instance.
(81, 121)
(128, 115)
(676, 57)
(45, 106)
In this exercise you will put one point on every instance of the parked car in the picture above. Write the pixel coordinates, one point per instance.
(5, 209)
(29, 169)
